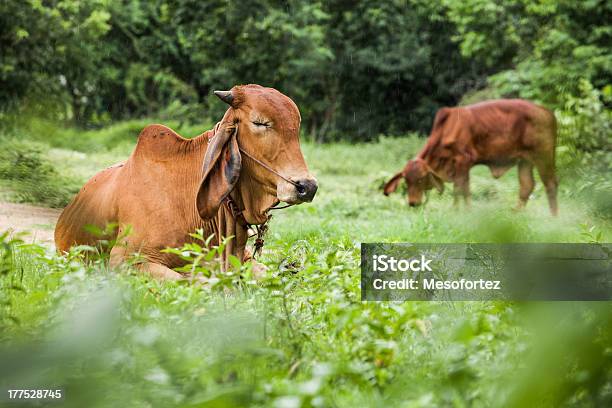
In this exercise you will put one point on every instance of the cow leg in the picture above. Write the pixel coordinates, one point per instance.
(467, 196)
(462, 188)
(526, 182)
(159, 271)
(547, 174)
(258, 269)
(456, 194)
(119, 254)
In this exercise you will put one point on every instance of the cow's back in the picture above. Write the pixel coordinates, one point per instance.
(510, 129)
(94, 205)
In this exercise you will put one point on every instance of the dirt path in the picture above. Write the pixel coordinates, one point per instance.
(38, 222)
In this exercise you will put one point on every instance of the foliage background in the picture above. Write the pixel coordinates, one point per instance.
(356, 68)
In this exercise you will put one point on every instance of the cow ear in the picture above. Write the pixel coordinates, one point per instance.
(436, 181)
(221, 170)
(392, 184)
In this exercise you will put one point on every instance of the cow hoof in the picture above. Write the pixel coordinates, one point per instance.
(259, 270)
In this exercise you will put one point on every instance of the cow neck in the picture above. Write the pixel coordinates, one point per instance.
(428, 155)
(236, 211)
(235, 204)
(238, 215)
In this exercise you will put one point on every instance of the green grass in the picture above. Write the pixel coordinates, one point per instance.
(301, 337)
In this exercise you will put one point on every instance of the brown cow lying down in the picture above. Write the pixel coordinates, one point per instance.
(498, 134)
(222, 181)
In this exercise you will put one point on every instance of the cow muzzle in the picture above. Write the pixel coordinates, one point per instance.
(303, 191)
(306, 189)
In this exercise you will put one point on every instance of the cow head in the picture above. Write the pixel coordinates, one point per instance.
(261, 126)
(419, 178)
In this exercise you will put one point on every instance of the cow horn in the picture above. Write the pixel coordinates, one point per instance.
(225, 96)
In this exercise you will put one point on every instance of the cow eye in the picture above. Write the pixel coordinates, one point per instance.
(261, 123)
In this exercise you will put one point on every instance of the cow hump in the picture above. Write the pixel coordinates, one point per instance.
(158, 142)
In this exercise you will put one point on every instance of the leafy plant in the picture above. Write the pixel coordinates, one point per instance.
(203, 262)
(585, 128)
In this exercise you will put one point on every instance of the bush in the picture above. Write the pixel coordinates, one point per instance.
(585, 126)
(30, 176)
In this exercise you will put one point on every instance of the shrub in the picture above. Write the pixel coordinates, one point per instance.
(585, 126)
(30, 176)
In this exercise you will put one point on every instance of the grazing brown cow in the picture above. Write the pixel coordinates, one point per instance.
(499, 134)
(222, 181)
